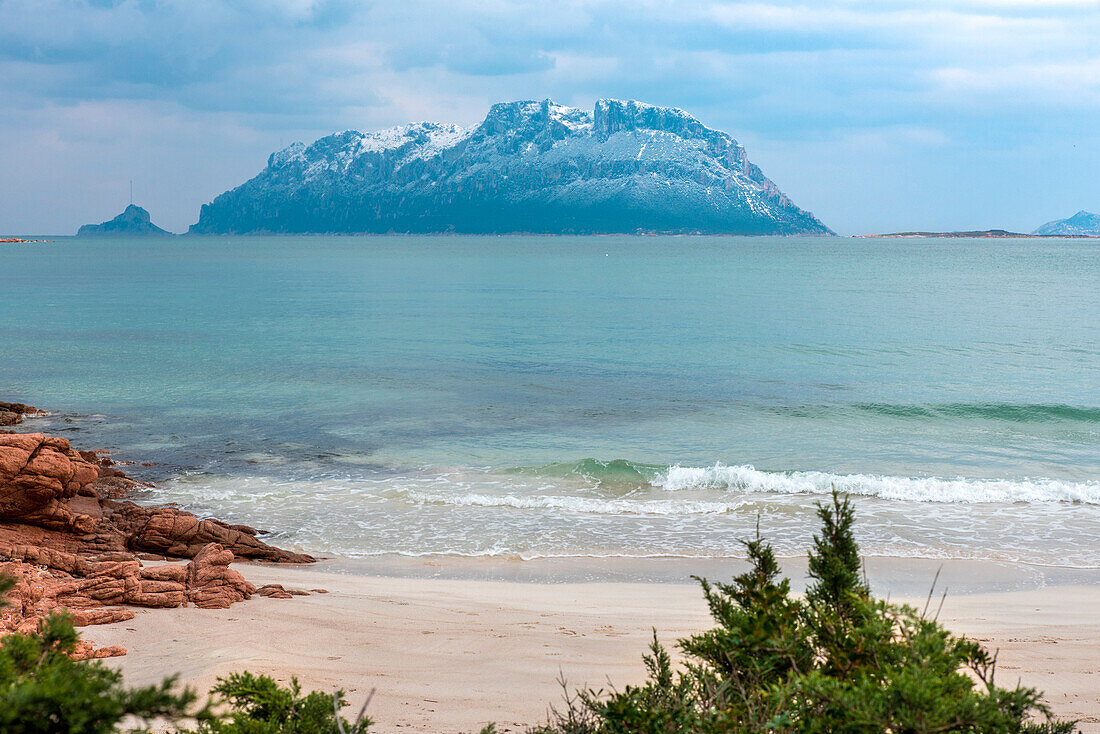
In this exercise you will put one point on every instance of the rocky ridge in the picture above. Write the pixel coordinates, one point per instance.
(72, 543)
(1081, 224)
(538, 167)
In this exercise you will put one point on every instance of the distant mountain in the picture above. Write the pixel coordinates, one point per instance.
(528, 167)
(1080, 224)
(133, 221)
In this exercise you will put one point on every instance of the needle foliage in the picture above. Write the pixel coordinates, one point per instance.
(43, 690)
(835, 661)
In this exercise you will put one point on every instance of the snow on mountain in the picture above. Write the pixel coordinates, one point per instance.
(527, 167)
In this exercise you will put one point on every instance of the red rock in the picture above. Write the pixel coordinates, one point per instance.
(105, 615)
(37, 473)
(71, 545)
(12, 413)
(166, 573)
(275, 591)
(177, 533)
(87, 651)
(211, 584)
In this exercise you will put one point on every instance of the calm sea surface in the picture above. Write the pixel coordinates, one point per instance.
(559, 396)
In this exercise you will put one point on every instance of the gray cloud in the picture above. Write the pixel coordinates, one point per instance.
(898, 86)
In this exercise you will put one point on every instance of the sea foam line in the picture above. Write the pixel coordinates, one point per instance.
(914, 489)
(586, 505)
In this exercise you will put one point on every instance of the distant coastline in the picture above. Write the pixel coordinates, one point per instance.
(19, 240)
(974, 234)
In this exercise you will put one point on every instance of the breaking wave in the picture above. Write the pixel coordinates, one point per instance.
(914, 489)
(746, 478)
(618, 508)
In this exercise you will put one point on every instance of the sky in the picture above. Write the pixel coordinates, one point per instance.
(877, 116)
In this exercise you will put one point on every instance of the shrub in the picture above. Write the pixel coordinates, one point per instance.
(836, 660)
(42, 689)
(259, 705)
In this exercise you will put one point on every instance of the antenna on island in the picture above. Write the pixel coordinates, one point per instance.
(131, 191)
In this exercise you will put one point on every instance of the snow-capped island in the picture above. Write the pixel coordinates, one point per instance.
(536, 167)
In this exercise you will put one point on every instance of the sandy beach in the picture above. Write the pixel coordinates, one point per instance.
(452, 653)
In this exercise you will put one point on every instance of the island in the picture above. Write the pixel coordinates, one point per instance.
(529, 167)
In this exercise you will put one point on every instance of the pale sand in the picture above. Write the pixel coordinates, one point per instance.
(450, 654)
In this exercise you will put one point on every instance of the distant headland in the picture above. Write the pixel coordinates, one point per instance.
(1081, 224)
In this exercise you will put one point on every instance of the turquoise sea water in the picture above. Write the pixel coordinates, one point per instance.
(538, 396)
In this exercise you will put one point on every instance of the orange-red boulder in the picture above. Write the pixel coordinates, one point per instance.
(71, 544)
(172, 532)
(211, 583)
(37, 474)
(12, 413)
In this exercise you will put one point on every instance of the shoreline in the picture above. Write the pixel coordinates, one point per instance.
(897, 575)
(417, 639)
(415, 627)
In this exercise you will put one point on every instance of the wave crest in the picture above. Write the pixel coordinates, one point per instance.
(1009, 412)
(915, 489)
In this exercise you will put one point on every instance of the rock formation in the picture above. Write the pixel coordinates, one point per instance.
(625, 167)
(71, 543)
(132, 221)
(12, 413)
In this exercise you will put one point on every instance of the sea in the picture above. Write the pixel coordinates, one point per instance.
(530, 397)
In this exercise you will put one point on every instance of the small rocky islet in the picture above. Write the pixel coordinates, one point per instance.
(133, 221)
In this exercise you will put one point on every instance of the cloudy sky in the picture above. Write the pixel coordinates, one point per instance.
(878, 116)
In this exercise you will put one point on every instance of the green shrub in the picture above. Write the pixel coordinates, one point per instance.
(835, 661)
(259, 705)
(44, 690)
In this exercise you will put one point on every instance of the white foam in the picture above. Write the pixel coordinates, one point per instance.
(583, 505)
(684, 512)
(915, 489)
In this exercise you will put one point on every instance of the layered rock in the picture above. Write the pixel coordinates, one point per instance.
(625, 167)
(70, 543)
